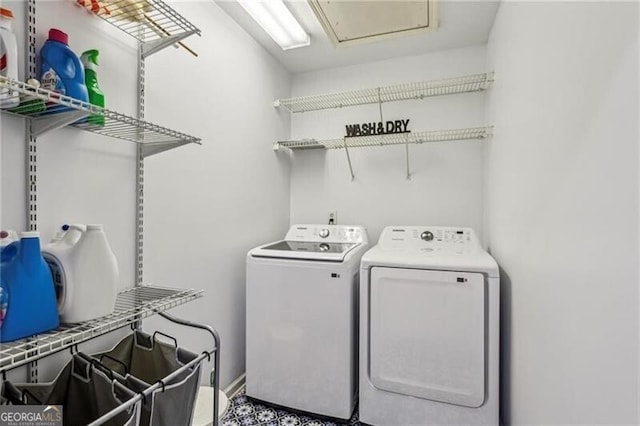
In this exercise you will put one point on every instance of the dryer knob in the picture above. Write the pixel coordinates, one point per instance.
(324, 233)
(427, 236)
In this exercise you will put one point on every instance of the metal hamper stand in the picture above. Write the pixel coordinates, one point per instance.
(205, 355)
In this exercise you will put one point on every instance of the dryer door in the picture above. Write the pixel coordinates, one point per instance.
(427, 334)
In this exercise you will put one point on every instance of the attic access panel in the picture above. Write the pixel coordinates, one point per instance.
(353, 22)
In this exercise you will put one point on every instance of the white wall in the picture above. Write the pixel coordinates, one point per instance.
(562, 209)
(205, 206)
(447, 178)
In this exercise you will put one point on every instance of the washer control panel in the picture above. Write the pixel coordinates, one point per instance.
(327, 233)
(429, 239)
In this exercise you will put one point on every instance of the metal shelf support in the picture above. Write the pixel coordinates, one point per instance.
(151, 47)
(346, 150)
(43, 124)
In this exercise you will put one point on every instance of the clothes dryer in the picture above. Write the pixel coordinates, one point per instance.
(429, 329)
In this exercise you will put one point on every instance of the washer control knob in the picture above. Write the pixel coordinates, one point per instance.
(427, 236)
(324, 233)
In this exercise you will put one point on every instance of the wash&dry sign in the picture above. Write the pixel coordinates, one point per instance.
(377, 128)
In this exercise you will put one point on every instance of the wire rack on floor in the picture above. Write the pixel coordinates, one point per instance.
(131, 305)
(399, 92)
(152, 22)
(49, 110)
(389, 139)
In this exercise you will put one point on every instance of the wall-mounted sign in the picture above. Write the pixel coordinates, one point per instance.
(377, 128)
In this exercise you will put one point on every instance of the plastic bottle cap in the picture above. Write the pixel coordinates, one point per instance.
(59, 36)
(30, 234)
(6, 13)
(94, 227)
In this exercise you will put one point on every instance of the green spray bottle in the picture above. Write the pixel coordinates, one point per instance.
(96, 97)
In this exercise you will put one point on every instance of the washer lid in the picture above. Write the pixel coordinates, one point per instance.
(305, 250)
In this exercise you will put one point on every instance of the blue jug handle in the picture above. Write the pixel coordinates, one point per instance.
(9, 252)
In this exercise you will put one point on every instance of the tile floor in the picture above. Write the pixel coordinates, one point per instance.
(244, 412)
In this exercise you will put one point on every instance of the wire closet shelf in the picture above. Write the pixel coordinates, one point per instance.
(49, 110)
(399, 92)
(152, 22)
(389, 139)
(131, 305)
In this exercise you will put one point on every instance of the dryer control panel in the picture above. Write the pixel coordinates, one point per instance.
(429, 239)
(327, 233)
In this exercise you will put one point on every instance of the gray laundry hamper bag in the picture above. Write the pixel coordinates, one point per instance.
(85, 392)
(144, 360)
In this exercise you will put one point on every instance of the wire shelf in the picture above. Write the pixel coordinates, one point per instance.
(131, 305)
(400, 92)
(152, 22)
(49, 110)
(390, 139)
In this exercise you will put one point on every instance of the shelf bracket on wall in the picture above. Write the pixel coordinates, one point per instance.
(380, 106)
(406, 147)
(47, 123)
(346, 149)
(31, 148)
(151, 47)
(156, 148)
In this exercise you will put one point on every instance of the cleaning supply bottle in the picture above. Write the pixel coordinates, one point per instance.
(85, 272)
(96, 97)
(32, 299)
(61, 70)
(8, 59)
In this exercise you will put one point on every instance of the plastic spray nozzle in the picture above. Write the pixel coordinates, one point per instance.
(90, 57)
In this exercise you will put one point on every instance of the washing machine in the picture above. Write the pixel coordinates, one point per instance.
(302, 315)
(429, 329)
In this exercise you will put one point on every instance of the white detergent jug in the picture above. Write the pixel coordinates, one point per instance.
(85, 272)
(8, 59)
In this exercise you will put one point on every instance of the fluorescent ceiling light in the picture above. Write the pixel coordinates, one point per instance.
(274, 17)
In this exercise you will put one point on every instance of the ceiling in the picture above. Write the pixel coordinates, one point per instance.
(460, 23)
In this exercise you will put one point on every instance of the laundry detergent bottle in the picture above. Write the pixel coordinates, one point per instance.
(32, 307)
(8, 59)
(85, 272)
(61, 70)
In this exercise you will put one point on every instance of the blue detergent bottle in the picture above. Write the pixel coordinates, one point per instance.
(61, 70)
(32, 305)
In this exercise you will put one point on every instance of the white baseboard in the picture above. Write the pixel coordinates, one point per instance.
(236, 386)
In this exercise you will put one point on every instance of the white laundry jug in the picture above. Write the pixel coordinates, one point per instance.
(85, 272)
(8, 59)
